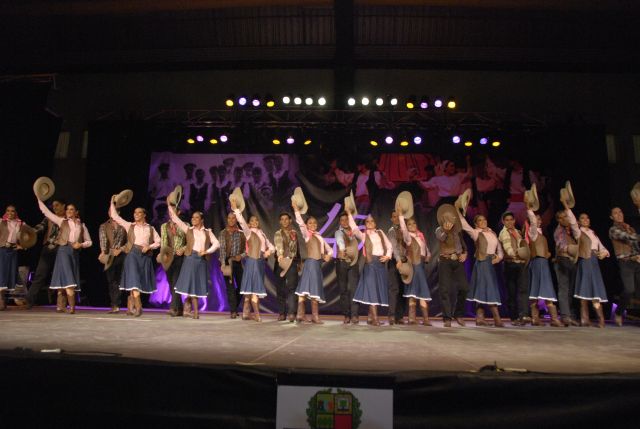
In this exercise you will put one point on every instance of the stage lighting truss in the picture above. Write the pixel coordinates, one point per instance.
(256, 101)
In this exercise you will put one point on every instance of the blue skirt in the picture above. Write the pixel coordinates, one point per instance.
(66, 269)
(192, 280)
(8, 268)
(138, 273)
(253, 277)
(310, 284)
(589, 283)
(373, 286)
(540, 281)
(418, 288)
(484, 284)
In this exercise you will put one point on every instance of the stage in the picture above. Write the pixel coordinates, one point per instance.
(225, 371)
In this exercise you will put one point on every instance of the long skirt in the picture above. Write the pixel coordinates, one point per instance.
(192, 280)
(373, 285)
(484, 284)
(137, 273)
(310, 284)
(540, 281)
(418, 288)
(8, 268)
(253, 277)
(589, 283)
(66, 269)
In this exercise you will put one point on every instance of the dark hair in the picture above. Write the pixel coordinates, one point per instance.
(199, 213)
(60, 201)
(284, 214)
(560, 213)
(343, 214)
(309, 218)
(507, 213)
(476, 217)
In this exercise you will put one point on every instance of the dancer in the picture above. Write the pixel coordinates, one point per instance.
(310, 286)
(194, 273)
(174, 242)
(347, 269)
(232, 248)
(565, 267)
(10, 241)
(259, 248)
(113, 238)
(515, 270)
(138, 275)
(396, 285)
(285, 269)
(72, 237)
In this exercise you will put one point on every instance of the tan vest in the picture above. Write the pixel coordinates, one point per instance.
(481, 247)
(131, 238)
(314, 248)
(351, 242)
(413, 252)
(253, 244)
(4, 233)
(63, 235)
(539, 247)
(191, 240)
(368, 245)
(448, 246)
(584, 246)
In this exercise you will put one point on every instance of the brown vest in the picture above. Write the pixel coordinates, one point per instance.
(314, 248)
(413, 252)
(191, 240)
(4, 233)
(481, 247)
(131, 238)
(63, 235)
(351, 242)
(584, 246)
(253, 245)
(368, 245)
(448, 246)
(539, 247)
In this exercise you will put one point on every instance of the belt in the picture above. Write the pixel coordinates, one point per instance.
(451, 256)
(515, 261)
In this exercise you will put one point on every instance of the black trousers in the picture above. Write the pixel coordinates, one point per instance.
(286, 288)
(566, 275)
(42, 276)
(172, 277)
(452, 278)
(347, 277)
(630, 274)
(113, 274)
(233, 283)
(396, 289)
(516, 277)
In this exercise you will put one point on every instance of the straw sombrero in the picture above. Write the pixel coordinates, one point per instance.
(237, 195)
(285, 264)
(175, 196)
(463, 201)
(106, 260)
(406, 272)
(351, 252)
(531, 198)
(123, 198)
(404, 204)
(448, 213)
(165, 257)
(226, 270)
(350, 204)
(27, 236)
(44, 188)
(299, 201)
(566, 194)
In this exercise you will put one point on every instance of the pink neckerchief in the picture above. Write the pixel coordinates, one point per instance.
(17, 219)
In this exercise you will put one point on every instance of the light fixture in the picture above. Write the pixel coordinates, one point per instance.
(351, 101)
(437, 102)
(308, 101)
(297, 100)
(365, 101)
(388, 140)
(199, 138)
(290, 140)
(451, 104)
(255, 100)
(468, 143)
(307, 142)
(286, 99)
(242, 100)
(269, 100)
(495, 143)
(275, 141)
(229, 101)
(404, 143)
(213, 141)
(224, 138)
(322, 101)
(424, 102)
(417, 139)
(455, 139)
(411, 102)
(484, 141)
(379, 101)
(393, 101)
(373, 143)
(191, 141)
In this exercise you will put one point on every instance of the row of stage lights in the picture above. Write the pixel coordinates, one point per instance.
(222, 138)
(411, 102)
(417, 140)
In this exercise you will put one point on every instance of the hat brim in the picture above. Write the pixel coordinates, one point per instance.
(299, 200)
(285, 264)
(237, 195)
(406, 272)
(350, 205)
(165, 257)
(448, 213)
(27, 237)
(123, 198)
(175, 196)
(404, 204)
(44, 188)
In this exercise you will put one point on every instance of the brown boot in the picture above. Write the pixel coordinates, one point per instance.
(424, 307)
(584, 313)
(3, 303)
(137, 300)
(555, 322)
(315, 315)
(480, 317)
(72, 303)
(194, 305)
(370, 315)
(130, 305)
(187, 309)
(256, 310)
(374, 315)
(535, 315)
(246, 308)
(600, 314)
(412, 311)
(61, 302)
(497, 321)
(300, 316)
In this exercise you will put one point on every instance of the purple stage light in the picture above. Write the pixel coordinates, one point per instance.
(424, 105)
(200, 138)
(255, 102)
(290, 140)
(438, 103)
(484, 140)
(388, 140)
(242, 101)
(455, 139)
(224, 138)
(417, 139)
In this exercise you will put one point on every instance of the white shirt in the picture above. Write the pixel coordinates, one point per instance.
(141, 231)
(264, 241)
(377, 248)
(489, 235)
(306, 234)
(75, 227)
(199, 234)
(447, 186)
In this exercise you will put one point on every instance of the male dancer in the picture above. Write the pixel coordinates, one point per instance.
(516, 275)
(347, 270)
(113, 238)
(396, 287)
(627, 249)
(174, 238)
(565, 267)
(287, 242)
(232, 248)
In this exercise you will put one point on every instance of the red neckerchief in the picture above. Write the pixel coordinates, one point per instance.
(292, 235)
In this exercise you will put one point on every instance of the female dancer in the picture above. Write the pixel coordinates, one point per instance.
(258, 249)
(417, 253)
(373, 286)
(72, 237)
(484, 283)
(138, 275)
(192, 280)
(9, 242)
(310, 285)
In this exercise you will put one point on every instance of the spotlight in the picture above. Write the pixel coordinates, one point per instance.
(468, 143)
(393, 101)
(224, 138)
(242, 101)
(255, 100)
(199, 138)
(417, 139)
(379, 101)
(269, 100)
(388, 140)
(191, 141)
(290, 140)
(275, 141)
(351, 101)
(411, 102)
(437, 103)
(495, 143)
(484, 141)
(455, 139)
(286, 99)
(451, 104)
(307, 142)
(297, 100)
(308, 101)
(373, 143)
(213, 141)
(404, 143)
(229, 101)
(424, 103)
(365, 101)
(322, 101)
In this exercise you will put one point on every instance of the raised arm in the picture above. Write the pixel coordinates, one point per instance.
(533, 225)
(243, 224)
(356, 231)
(49, 214)
(303, 227)
(405, 232)
(174, 217)
(116, 217)
(473, 233)
(575, 229)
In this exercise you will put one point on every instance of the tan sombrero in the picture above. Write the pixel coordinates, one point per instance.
(531, 198)
(165, 257)
(463, 201)
(237, 195)
(350, 205)
(635, 192)
(572, 251)
(523, 252)
(106, 260)
(404, 204)
(299, 201)
(285, 264)
(448, 213)
(406, 272)
(44, 188)
(175, 196)
(27, 236)
(566, 195)
(226, 270)
(123, 198)
(352, 253)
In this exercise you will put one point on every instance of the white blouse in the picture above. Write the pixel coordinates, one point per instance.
(199, 234)
(141, 231)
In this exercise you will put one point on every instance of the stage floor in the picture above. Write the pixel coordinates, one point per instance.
(332, 347)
